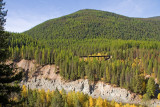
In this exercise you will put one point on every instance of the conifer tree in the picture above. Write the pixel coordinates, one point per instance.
(66, 104)
(77, 103)
(107, 75)
(7, 76)
(158, 77)
(57, 100)
(151, 87)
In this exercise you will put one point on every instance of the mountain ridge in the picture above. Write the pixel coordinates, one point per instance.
(155, 17)
(96, 24)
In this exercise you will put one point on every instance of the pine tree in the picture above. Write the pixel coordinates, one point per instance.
(30, 98)
(77, 103)
(156, 68)
(7, 76)
(158, 77)
(150, 67)
(66, 104)
(34, 95)
(63, 93)
(57, 100)
(139, 84)
(122, 78)
(107, 75)
(151, 87)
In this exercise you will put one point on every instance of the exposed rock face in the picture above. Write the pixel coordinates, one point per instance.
(100, 89)
(154, 103)
(26, 65)
(46, 78)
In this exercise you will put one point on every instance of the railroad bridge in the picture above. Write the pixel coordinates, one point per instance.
(106, 57)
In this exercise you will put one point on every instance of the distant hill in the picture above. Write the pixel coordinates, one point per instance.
(156, 17)
(89, 23)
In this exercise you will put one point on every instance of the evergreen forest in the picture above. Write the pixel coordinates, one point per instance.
(132, 45)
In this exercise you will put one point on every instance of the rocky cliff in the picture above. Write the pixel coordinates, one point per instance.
(46, 77)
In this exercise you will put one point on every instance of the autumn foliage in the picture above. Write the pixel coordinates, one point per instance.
(42, 98)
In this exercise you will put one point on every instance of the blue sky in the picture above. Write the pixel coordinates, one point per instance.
(25, 14)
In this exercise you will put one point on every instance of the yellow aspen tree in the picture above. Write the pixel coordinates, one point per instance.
(105, 103)
(112, 102)
(81, 97)
(70, 98)
(133, 105)
(158, 96)
(39, 90)
(127, 105)
(130, 105)
(99, 102)
(117, 105)
(86, 104)
(24, 91)
(43, 96)
(48, 96)
(120, 103)
(74, 97)
(60, 92)
(91, 102)
(78, 93)
(99, 54)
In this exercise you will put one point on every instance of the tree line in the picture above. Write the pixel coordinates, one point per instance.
(130, 61)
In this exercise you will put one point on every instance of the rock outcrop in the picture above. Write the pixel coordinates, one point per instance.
(46, 78)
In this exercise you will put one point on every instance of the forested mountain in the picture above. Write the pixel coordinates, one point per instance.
(97, 24)
(132, 45)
